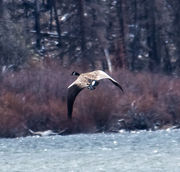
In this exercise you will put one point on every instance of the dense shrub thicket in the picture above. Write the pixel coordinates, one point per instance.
(35, 98)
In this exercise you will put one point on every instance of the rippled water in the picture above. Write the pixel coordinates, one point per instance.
(135, 151)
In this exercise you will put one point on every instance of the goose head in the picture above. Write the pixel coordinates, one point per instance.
(75, 73)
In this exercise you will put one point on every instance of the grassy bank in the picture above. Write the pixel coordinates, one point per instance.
(35, 98)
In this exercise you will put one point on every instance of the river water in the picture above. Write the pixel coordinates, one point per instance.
(142, 151)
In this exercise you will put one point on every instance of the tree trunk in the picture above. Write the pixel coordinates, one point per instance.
(121, 42)
(177, 33)
(151, 30)
(2, 8)
(37, 24)
(108, 60)
(167, 67)
(58, 28)
(175, 5)
(81, 23)
(51, 19)
(137, 36)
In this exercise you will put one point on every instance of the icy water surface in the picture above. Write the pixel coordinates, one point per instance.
(125, 152)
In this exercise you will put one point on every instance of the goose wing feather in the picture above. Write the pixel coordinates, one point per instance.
(81, 82)
(116, 84)
(73, 91)
(102, 75)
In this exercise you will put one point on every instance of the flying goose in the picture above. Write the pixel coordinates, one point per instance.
(85, 80)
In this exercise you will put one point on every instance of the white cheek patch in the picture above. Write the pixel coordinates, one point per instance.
(93, 83)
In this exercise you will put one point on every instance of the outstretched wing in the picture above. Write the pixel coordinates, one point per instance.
(73, 91)
(102, 75)
(116, 84)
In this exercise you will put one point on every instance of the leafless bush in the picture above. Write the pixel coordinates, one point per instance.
(35, 98)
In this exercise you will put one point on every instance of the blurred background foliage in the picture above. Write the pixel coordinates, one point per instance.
(43, 41)
(108, 34)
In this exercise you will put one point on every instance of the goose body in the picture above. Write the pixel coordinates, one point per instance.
(86, 80)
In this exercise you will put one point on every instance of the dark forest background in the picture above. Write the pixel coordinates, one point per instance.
(43, 41)
(136, 35)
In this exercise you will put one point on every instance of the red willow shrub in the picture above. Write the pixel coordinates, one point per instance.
(35, 98)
